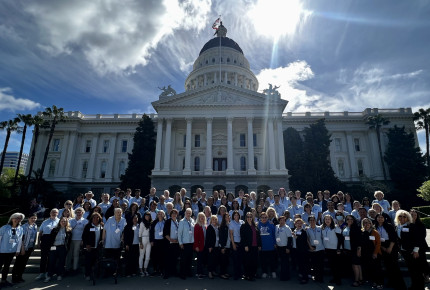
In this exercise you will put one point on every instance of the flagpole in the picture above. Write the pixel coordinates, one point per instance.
(220, 52)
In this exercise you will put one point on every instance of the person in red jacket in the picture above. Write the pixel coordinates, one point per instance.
(199, 243)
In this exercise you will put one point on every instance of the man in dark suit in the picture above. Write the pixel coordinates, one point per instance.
(151, 196)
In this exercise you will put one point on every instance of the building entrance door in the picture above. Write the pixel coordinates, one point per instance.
(219, 164)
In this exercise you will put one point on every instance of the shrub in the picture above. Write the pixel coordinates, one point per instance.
(426, 222)
(423, 209)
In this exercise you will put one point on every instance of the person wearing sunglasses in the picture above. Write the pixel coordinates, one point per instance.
(370, 253)
(251, 243)
(351, 242)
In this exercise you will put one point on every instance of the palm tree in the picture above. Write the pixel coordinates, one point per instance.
(56, 115)
(423, 122)
(10, 126)
(28, 121)
(376, 122)
(38, 123)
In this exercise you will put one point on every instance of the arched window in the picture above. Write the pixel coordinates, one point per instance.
(341, 168)
(121, 168)
(197, 163)
(51, 170)
(243, 163)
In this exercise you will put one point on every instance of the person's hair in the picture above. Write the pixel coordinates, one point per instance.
(298, 219)
(70, 210)
(224, 220)
(146, 223)
(214, 217)
(89, 203)
(96, 214)
(79, 196)
(377, 205)
(252, 221)
(219, 209)
(198, 219)
(332, 224)
(235, 212)
(365, 199)
(418, 220)
(333, 197)
(271, 209)
(311, 217)
(16, 215)
(133, 204)
(372, 227)
(354, 224)
(161, 211)
(117, 209)
(282, 217)
(68, 227)
(377, 192)
(174, 211)
(67, 201)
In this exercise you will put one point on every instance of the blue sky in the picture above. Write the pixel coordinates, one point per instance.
(110, 56)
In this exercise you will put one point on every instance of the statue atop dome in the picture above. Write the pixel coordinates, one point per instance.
(221, 30)
(272, 91)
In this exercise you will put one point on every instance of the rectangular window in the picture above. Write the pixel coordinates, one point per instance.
(254, 139)
(88, 146)
(121, 168)
(185, 141)
(56, 145)
(105, 146)
(197, 140)
(357, 144)
(51, 170)
(242, 140)
(197, 164)
(124, 144)
(341, 168)
(256, 162)
(84, 169)
(243, 163)
(360, 167)
(338, 144)
(103, 169)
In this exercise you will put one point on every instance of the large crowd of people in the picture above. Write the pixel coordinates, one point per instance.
(280, 233)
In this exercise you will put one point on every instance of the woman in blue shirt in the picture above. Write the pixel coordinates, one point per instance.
(10, 244)
(113, 235)
(28, 241)
(234, 229)
(45, 241)
(316, 253)
(332, 240)
(351, 242)
(158, 243)
(170, 233)
(224, 243)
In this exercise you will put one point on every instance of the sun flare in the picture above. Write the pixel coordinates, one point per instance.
(276, 18)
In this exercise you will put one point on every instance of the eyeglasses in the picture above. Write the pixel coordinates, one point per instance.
(263, 217)
(68, 204)
(349, 219)
(249, 217)
(402, 216)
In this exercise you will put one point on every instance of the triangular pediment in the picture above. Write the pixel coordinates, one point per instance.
(217, 96)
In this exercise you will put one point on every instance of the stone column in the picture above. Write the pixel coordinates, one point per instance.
(167, 145)
(271, 140)
(280, 144)
(92, 162)
(235, 79)
(251, 166)
(230, 167)
(157, 165)
(187, 169)
(112, 150)
(71, 155)
(63, 149)
(352, 163)
(225, 78)
(208, 169)
(205, 80)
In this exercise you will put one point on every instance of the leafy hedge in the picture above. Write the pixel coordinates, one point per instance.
(426, 222)
(423, 209)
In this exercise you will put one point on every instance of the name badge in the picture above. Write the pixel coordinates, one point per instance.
(160, 233)
(316, 242)
(382, 240)
(79, 222)
(112, 225)
(406, 230)
(117, 231)
(176, 232)
(298, 233)
(133, 228)
(92, 229)
(278, 240)
(53, 248)
(347, 238)
(11, 241)
(372, 238)
(190, 232)
(326, 239)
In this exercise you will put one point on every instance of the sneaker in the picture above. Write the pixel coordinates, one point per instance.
(41, 276)
(264, 276)
(142, 274)
(274, 275)
(88, 278)
(146, 274)
(59, 278)
(47, 279)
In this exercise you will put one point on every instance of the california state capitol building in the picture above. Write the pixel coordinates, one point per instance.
(220, 132)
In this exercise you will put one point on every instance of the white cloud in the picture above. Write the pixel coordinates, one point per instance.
(288, 78)
(114, 35)
(9, 102)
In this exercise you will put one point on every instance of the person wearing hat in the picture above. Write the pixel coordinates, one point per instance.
(89, 197)
(10, 244)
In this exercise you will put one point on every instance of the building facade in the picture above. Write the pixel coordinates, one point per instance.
(220, 132)
(11, 160)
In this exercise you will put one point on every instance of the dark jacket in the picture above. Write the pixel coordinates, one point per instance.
(152, 231)
(147, 200)
(392, 236)
(89, 237)
(409, 239)
(246, 235)
(302, 242)
(223, 236)
(421, 235)
(210, 239)
(54, 233)
(129, 234)
(167, 227)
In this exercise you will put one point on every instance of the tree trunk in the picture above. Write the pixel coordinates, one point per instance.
(426, 128)
(6, 142)
(45, 157)
(378, 134)
(33, 152)
(19, 158)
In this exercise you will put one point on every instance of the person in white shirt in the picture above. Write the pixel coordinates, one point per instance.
(89, 197)
(379, 195)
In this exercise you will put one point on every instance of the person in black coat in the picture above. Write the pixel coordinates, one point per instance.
(60, 239)
(158, 243)
(422, 233)
(390, 252)
(170, 233)
(151, 196)
(212, 245)
(410, 247)
(250, 240)
(131, 242)
(91, 239)
(224, 244)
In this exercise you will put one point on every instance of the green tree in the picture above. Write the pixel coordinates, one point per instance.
(311, 167)
(55, 115)
(293, 148)
(424, 191)
(376, 122)
(28, 121)
(10, 126)
(422, 118)
(38, 123)
(141, 160)
(404, 159)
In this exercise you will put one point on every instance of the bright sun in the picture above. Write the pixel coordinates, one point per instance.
(275, 18)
